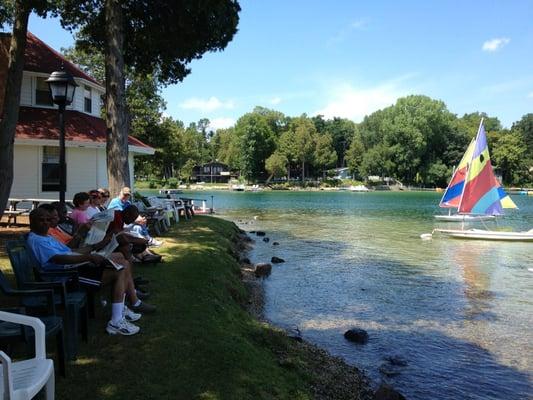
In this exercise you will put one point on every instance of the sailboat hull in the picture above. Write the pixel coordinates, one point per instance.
(482, 234)
(463, 218)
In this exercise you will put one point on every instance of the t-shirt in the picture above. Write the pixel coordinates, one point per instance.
(91, 211)
(118, 204)
(44, 248)
(59, 234)
(79, 216)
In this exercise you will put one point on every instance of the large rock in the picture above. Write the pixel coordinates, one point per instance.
(277, 260)
(356, 335)
(387, 392)
(262, 269)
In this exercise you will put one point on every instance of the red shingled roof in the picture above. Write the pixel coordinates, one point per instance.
(39, 57)
(42, 123)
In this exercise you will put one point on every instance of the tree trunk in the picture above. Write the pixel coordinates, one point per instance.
(303, 172)
(118, 171)
(8, 123)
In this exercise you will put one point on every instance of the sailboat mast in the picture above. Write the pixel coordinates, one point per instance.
(469, 164)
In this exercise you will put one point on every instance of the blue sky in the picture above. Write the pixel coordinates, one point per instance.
(351, 58)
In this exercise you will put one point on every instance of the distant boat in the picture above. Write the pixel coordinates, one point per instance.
(358, 188)
(481, 194)
(237, 187)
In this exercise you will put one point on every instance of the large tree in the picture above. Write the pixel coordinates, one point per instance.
(161, 36)
(16, 13)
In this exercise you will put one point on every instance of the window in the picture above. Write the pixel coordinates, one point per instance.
(88, 101)
(42, 93)
(50, 169)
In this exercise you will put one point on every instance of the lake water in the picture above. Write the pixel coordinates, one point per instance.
(457, 314)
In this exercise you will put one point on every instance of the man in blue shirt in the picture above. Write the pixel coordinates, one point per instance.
(53, 255)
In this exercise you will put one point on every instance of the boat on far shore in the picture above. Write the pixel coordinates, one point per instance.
(358, 188)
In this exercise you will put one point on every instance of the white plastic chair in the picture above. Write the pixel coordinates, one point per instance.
(21, 380)
(168, 206)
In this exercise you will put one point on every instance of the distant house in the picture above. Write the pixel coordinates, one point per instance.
(36, 153)
(342, 173)
(213, 172)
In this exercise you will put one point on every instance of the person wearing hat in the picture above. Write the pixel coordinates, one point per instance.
(122, 200)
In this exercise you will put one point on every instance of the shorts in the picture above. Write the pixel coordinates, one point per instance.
(90, 275)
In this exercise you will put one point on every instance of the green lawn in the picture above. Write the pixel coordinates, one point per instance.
(201, 344)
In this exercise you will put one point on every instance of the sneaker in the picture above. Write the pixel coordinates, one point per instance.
(154, 243)
(144, 308)
(142, 295)
(122, 327)
(130, 316)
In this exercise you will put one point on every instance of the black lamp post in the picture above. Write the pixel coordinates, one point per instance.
(62, 87)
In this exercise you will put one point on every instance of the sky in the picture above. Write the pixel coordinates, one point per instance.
(350, 58)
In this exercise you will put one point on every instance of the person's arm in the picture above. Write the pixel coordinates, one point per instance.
(76, 258)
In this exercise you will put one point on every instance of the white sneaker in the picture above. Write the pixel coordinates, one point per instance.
(154, 243)
(129, 315)
(122, 327)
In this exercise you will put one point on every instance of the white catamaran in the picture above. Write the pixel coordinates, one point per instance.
(476, 192)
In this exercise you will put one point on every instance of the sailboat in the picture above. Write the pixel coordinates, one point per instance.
(452, 196)
(480, 193)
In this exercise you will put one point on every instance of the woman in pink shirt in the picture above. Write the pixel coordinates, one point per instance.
(81, 203)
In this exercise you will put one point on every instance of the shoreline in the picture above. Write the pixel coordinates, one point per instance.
(336, 379)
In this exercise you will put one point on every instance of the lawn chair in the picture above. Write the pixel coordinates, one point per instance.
(167, 206)
(154, 216)
(53, 323)
(22, 380)
(74, 303)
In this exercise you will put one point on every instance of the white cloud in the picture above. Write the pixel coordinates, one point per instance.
(495, 44)
(342, 34)
(206, 105)
(221, 123)
(346, 101)
(275, 100)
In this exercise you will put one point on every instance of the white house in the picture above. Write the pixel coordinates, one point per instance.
(36, 154)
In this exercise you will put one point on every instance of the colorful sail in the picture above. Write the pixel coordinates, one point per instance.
(482, 191)
(454, 191)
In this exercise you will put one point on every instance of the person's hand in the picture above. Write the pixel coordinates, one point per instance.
(83, 229)
(96, 259)
(102, 243)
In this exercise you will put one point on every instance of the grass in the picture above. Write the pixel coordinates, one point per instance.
(201, 343)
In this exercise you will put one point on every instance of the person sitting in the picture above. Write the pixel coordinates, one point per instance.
(95, 199)
(104, 193)
(137, 227)
(81, 203)
(53, 255)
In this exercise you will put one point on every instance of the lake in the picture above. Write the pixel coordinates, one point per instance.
(447, 318)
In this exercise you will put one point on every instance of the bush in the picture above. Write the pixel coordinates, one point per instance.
(172, 183)
(152, 184)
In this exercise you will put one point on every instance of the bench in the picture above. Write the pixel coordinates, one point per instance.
(12, 215)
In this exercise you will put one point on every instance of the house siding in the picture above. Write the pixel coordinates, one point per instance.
(26, 183)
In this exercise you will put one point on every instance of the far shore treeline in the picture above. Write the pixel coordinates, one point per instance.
(416, 141)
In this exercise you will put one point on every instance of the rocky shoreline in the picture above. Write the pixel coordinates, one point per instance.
(333, 378)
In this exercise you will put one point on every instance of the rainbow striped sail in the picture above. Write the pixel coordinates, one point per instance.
(454, 191)
(482, 193)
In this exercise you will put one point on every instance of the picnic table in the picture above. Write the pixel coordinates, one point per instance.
(13, 212)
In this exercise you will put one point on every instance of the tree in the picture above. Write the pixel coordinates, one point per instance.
(508, 155)
(525, 128)
(304, 141)
(354, 156)
(276, 165)
(163, 37)
(287, 147)
(17, 13)
(325, 156)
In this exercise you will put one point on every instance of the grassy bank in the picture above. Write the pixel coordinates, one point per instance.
(202, 343)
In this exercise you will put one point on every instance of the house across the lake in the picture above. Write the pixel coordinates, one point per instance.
(213, 172)
(36, 153)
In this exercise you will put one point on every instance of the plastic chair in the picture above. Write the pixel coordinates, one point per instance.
(74, 303)
(53, 323)
(24, 379)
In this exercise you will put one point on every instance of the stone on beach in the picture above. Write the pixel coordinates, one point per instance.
(262, 269)
(277, 260)
(356, 335)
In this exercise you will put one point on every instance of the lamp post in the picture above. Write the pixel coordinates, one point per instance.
(62, 87)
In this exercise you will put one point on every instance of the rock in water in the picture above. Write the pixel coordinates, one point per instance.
(356, 335)
(277, 260)
(260, 233)
(275, 244)
(387, 392)
(266, 240)
(262, 269)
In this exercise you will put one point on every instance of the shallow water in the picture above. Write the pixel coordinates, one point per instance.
(458, 313)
